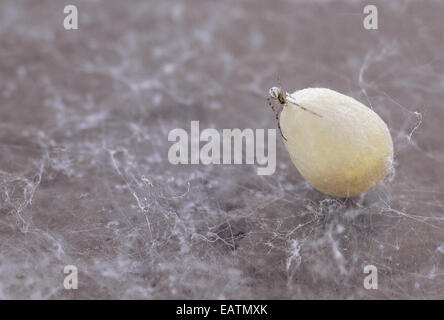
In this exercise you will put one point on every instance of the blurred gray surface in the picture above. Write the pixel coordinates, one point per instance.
(84, 175)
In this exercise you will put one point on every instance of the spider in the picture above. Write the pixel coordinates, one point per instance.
(278, 100)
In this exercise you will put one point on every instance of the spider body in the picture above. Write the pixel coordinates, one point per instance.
(278, 100)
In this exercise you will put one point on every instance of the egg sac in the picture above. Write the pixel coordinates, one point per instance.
(344, 151)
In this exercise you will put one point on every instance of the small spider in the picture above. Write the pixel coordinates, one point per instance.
(278, 100)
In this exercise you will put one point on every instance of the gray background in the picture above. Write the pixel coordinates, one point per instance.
(84, 175)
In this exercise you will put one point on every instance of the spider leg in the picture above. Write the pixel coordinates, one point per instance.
(277, 111)
(312, 112)
(291, 100)
(271, 105)
(279, 126)
(277, 114)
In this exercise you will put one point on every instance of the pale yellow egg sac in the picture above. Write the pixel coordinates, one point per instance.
(345, 151)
